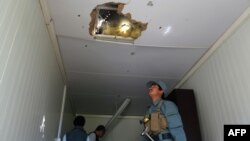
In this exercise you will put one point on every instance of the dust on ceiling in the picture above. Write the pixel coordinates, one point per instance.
(107, 20)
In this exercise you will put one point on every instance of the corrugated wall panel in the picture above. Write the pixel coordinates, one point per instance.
(31, 85)
(68, 116)
(222, 85)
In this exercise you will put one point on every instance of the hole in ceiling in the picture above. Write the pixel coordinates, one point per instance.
(150, 3)
(108, 22)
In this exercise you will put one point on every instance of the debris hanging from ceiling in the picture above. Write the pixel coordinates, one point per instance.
(108, 20)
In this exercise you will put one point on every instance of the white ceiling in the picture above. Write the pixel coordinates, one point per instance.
(102, 74)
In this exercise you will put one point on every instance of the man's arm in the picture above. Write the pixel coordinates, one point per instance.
(174, 122)
(176, 128)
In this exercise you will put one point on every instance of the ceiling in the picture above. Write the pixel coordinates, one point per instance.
(102, 74)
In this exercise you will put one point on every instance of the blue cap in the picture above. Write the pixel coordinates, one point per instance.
(161, 83)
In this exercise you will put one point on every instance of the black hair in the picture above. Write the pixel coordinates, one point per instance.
(79, 121)
(101, 128)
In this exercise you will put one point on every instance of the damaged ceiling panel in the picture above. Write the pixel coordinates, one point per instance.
(167, 36)
(108, 22)
(180, 24)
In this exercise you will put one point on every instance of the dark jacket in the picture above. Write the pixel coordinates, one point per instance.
(77, 134)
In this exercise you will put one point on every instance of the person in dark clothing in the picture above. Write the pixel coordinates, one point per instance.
(98, 133)
(77, 133)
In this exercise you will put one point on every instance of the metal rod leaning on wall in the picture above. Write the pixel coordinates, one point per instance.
(61, 114)
(118, 112)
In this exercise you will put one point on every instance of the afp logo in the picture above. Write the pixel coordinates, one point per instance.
(237, 132)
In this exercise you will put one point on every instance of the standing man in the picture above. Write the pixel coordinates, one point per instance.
(98, 133)
(77, 133)
(163, 121)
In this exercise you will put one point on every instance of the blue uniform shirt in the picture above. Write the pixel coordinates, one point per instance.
(76, 134)
(170, 110)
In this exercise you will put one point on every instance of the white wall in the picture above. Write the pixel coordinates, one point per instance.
(30, 81)
(68, 116)
(222, 85)
(125, 128)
